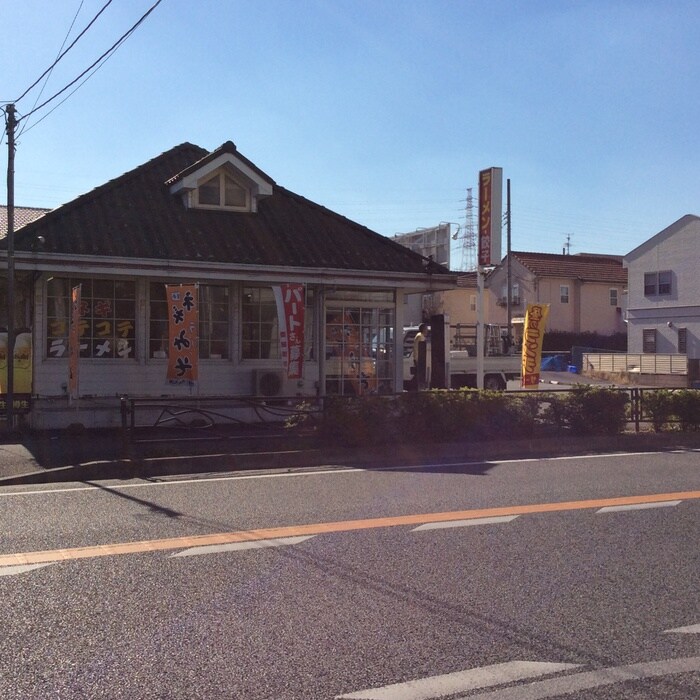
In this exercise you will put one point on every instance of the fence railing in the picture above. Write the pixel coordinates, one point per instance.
(643, 363)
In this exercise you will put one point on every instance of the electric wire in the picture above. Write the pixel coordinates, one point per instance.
(103, 57)
(48, 72)
(61, 55)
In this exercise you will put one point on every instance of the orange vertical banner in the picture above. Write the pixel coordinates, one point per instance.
(183, 335)
(533, 335)
(74, 343)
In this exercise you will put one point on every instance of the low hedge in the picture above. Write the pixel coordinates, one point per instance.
(444, 416)
(668, 408)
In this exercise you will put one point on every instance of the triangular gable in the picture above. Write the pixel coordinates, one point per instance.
(225, 161)
(660, 237)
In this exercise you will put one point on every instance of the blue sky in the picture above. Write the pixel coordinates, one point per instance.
(382, 111)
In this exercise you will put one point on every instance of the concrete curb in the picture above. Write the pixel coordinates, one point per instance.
(387, 455)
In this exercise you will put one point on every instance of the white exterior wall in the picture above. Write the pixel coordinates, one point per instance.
(102, 381)
(676, 249)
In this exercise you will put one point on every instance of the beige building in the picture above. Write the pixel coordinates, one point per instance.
(586, 293)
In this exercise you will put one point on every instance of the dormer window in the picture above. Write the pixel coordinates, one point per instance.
(223, 191)
(224, 179)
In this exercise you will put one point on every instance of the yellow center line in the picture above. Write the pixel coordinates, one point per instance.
(160, 545)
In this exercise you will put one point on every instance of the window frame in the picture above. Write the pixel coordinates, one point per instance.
(659, 283)
(614, 296)
(221, 175)
(564, 297)
(206, 341)
(649, 341)
(247, 342)
(104, 308)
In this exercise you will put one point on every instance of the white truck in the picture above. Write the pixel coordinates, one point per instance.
(499, 365)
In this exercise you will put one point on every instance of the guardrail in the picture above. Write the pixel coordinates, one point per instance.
(209, 418)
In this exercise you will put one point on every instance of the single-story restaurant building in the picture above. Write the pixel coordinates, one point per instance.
(215, 221)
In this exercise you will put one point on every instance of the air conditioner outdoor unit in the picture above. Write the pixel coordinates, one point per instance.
(267, 382)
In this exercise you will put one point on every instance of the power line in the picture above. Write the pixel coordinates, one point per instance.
(107, 53)
(62, 54)
(58, 58)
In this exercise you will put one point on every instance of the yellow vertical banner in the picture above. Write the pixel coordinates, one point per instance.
(74, 343)
(533, 335)
(183, 335)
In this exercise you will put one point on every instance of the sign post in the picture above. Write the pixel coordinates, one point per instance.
(490, 215)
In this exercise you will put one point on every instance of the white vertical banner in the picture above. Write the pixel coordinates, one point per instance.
(289, 299)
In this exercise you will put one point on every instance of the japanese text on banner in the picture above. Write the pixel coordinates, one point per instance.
(533, 335)
(290, 312)
(183, 335)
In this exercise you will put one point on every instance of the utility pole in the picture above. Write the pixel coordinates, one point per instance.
(10, 394)
(509, 278)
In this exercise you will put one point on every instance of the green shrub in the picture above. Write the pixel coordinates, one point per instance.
(658, 406)
(467, 414)
(588, 410)
(686, 407)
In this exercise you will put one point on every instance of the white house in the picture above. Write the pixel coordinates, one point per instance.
(664, 292)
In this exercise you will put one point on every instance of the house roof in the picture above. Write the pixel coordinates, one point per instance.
(584, 266)
(136, 216)
(23, 216)
(660, 237)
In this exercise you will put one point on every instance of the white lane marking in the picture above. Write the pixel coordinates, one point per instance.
(638, 506)
(340, 470)
(466, 523)
(176, 482)
(690, 629)
(239, 546)
(566, 685)
(459, 682)
(21, 569)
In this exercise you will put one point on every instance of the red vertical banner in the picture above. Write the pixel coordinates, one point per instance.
(183, 335)
(290, 313)
(490, 206)
(74, 344)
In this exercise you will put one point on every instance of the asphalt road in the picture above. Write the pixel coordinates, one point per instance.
(570, 577)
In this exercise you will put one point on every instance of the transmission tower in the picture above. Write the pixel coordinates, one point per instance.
(469, 238)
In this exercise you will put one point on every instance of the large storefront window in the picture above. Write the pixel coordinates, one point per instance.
(259, 324)
(107, 317)
(359, 349)
(214, 323)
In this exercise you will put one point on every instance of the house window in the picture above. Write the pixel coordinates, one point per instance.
(515, 294)
(222, 191)
(213, 322)
(613, 297)
(649, 340)
(472, 302)
(259, 325)
(665, 282)
(657, 283)
(359, 349)
(107, 317)
(683, 341)
(564, 293)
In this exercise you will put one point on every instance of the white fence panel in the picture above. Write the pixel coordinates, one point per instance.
(636, 362)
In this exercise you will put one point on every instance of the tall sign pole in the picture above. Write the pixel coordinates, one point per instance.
(490, 207)
(10, 395)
